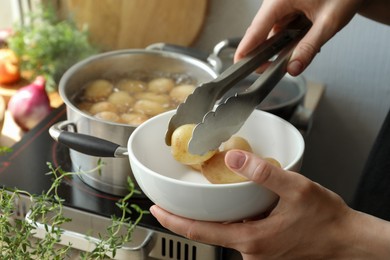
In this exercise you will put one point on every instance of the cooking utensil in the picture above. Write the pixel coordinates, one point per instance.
(217, 126)
(285, 100)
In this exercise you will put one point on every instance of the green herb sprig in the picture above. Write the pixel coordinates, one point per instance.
(48, 46)
(16, 234)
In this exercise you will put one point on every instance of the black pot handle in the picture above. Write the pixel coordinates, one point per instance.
(86, 144)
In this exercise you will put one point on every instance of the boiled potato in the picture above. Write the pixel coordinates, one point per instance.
(102, 106)
(108, 115)
(122, 100)
(216, 171)
(98, 90)
(197, 167)
(85, 106)
(149, 107)
(160, 98)
(161, 85)
(181, 92)
(133, 118)
(131, 86)
(237, 142)
(179, 146)
(273, 161)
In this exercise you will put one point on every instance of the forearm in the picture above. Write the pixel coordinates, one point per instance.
(378, 10)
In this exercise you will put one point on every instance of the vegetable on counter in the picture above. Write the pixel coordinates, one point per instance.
(9, 66)
(30, 104)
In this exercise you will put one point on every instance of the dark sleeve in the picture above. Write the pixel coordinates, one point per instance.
(373, 193)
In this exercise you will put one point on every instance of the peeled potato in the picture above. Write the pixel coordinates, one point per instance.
(216, 171)
(197, 167)
(237, 142)
(85, 106)
(122, 100)
(179, 146)
(180, 93)
(163, 99)
(161, 85)
(108, 115)
(273, 161)
(98, 90)
(133, 118)
(148, 107)
(131, 86)
(102, 106)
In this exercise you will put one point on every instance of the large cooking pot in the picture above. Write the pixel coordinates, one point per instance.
(109, 174)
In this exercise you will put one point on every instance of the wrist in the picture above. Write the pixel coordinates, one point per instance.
(366, 237)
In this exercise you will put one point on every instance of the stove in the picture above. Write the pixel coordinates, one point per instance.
(25, 168)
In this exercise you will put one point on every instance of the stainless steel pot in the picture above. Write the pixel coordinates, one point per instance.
(112, 176)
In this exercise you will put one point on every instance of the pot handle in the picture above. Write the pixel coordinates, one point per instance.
(227, 43)
(85, 144)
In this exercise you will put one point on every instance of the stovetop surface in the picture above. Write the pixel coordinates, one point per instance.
(26, 168)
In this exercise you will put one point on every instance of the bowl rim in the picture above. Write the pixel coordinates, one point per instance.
(133, 157)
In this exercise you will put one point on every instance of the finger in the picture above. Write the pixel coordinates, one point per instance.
(276, 179)
(202, 231)
(271, 16)
(308, 47)
(256, 33)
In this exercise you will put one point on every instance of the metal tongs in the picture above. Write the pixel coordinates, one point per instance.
(217, 124)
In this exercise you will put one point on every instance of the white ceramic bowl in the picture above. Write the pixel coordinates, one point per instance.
(185, 192)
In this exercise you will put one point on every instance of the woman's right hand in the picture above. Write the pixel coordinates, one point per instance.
(327, 16)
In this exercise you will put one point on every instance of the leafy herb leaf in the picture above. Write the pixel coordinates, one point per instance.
(48, 46)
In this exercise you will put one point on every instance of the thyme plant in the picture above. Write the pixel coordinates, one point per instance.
(16, 233)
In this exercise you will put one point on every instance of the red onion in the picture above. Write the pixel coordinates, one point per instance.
(30, 104)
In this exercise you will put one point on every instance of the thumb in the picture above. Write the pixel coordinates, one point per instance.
(260, 171)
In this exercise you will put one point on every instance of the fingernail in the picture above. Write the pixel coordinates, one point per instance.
(295, 67)
(235, 159)
(151, 209)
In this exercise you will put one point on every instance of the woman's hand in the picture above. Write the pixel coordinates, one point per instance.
(308, 222)
(327, 16)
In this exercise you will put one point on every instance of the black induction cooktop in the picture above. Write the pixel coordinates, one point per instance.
(26, 168)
